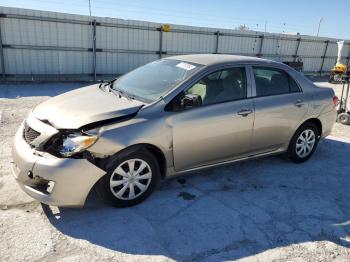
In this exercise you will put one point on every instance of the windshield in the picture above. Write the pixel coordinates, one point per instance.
(153, 80)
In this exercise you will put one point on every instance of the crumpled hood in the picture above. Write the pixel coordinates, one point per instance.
(83, 106)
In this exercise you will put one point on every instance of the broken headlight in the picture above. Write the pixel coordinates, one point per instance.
(75, 143)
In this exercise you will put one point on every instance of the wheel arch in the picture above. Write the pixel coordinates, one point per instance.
(316, 122)
(291, 151)
(154, 150)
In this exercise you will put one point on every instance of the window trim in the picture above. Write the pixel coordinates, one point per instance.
(299, 88)
(252, 75)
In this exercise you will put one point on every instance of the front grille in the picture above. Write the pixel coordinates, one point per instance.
(29, 134)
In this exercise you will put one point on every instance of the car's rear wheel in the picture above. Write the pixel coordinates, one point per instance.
(303, 143)
(130, 179)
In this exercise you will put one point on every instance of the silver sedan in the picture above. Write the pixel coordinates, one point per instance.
(171, 116)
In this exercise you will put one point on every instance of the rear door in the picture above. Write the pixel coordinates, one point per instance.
(279, 105)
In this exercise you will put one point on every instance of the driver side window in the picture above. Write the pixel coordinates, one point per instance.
(221, 86)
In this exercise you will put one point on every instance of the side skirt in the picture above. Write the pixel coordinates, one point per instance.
(171, 172)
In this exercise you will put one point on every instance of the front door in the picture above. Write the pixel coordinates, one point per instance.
(220, 129)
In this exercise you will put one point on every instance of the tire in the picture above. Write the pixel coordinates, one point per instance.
(299, 151)
(126, 189)
(343, 118)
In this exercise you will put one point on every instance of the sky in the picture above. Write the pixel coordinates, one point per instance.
(279, 16)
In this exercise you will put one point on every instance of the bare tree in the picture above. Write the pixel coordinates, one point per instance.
(242, 28)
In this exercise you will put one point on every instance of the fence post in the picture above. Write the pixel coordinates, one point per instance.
(261, 46)
(349, 56)
(94, 47)
(217, 42)
(160, 41)
(324, 55)
(2, 55)
(297, 49)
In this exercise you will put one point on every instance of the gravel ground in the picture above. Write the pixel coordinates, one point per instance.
(262, 210)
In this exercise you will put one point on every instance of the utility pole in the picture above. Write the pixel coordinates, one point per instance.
(319, 25)
(284, 26)
(90, 9)
(265, 25)
(93, 31)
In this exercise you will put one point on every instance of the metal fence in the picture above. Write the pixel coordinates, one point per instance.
(40, 45)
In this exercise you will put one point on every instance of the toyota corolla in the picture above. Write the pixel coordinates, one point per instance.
(171, 116)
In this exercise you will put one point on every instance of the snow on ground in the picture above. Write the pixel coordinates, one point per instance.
(261, 210)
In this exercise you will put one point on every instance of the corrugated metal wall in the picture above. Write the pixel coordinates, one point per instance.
(38, 44)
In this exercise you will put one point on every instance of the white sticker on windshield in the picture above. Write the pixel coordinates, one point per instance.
(185, 66)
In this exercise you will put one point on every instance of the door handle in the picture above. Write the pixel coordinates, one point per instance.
(245, 112)
(298, 103)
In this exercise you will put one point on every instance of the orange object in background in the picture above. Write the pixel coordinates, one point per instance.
(339, 68)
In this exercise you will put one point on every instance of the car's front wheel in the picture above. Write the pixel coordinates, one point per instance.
(130, 179)
(303, 143)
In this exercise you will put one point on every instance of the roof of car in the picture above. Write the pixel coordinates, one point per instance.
(212, 59)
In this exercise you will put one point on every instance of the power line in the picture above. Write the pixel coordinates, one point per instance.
(111, 10)
(136, 11)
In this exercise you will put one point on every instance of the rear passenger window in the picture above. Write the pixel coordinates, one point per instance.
(270, 81)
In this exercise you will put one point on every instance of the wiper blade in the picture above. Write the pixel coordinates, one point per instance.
(116, 92)
(122, 93)
(107, 84)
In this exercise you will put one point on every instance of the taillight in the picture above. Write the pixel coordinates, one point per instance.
(336, 101)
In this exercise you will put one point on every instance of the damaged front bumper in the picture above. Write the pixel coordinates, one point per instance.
(52, 180)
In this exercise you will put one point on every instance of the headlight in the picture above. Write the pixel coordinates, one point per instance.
(75, 143)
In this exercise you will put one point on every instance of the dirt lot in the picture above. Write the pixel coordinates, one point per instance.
(262, 210)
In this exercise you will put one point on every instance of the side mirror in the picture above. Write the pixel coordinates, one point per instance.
(190, 101)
